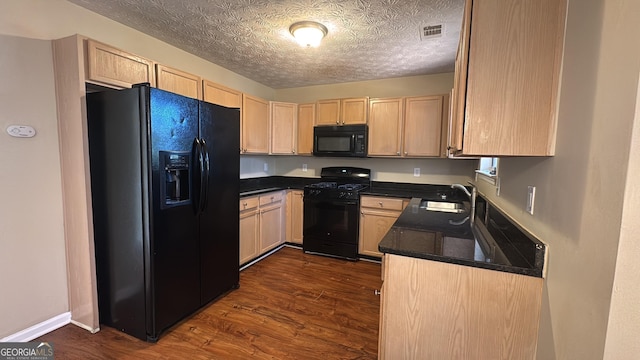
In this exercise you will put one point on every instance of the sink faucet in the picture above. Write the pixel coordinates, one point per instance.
(472, 197)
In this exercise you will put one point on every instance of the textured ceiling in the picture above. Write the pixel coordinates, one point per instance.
(367, 40)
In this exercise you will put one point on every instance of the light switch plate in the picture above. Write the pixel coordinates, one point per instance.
(531, 196)
(416, 172)
(304, 167)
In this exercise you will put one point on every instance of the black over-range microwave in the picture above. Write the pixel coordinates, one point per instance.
(346, 140)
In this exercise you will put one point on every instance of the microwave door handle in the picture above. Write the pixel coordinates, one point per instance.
(353, 142)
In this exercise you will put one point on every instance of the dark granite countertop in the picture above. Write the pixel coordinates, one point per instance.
(255, 186)
(492, 242)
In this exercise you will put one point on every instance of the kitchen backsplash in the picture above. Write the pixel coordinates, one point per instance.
(432, 171)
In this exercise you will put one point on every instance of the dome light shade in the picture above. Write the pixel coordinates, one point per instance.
(308, 33)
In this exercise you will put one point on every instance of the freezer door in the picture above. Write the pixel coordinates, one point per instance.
(219, 221)
(175, 269)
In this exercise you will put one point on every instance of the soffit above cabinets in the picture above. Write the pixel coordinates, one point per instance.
(366, 40)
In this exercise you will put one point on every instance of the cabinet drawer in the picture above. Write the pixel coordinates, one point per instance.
(249, 203)
(270, 198)
(381, 203)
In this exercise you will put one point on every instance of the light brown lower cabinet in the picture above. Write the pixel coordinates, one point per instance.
(294, 216)
(249, 228)
(271, 220)
(437, 310)
(377, 215)
(261, 224)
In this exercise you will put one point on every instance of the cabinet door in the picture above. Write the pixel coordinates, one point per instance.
(271, 227)
(423, 126)
(374, 224)
(297, 216)
(460, 83)
(249, 235)
(328, 112)
(306, 121)
(284, 126)
(432, 302)
(221, 95)
(385, 126)
(255, 125)
(513, 77)
(354, 111)
(178, 82)
(110, 66)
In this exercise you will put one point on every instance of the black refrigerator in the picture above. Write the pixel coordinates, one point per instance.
(165, 175)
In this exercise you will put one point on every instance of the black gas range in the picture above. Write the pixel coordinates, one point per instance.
(331, 212)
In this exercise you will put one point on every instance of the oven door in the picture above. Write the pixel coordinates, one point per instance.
(331, 227)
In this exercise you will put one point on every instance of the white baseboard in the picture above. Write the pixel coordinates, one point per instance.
(40, 329)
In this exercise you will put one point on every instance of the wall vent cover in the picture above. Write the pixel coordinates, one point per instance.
(431, 31)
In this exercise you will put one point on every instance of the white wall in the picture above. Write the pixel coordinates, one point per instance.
(580, 191)
(432, 171)
(32, 251)
(623, 330)
(392, 87)
(55, 19)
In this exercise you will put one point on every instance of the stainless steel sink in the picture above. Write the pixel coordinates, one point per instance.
(442, 206)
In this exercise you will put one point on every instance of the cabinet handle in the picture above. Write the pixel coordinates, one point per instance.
(398, 153)
(380, 202)
(377, 292)
(245, 204)
(406, 153)
(293, 151)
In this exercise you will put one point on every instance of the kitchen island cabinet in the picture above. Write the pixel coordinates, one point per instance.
(454, 288)
(437, 310)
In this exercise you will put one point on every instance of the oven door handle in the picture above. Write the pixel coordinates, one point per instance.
(333, 202)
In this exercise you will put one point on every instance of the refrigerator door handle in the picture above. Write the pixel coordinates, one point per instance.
(206, 168)
(199, 160)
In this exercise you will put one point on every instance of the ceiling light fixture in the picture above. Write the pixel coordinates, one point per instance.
(308, 33)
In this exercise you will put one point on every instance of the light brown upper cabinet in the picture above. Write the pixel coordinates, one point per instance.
(507, 78)
(113, 67)
(255, 125)
(306, 121)
(179, 82)
(221, 95)
(386, 118)
(342, 111)
(423, 126)
(411, 126)
(284, 125)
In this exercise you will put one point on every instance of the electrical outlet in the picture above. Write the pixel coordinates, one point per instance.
(304, 167)
(416, 172)
(531, 196)
(266, 167)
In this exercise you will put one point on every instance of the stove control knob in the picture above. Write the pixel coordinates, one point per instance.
(350, 194)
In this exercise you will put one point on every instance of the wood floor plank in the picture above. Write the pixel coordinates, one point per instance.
(290, 305)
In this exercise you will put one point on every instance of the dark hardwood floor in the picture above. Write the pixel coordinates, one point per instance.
(290, 305)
